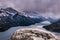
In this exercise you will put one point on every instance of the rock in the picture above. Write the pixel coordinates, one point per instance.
(55, 27)
(32, 34)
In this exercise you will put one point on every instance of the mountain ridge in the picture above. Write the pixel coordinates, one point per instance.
(11, 18)
(55, 27)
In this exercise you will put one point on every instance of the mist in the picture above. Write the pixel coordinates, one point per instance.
(47, 8)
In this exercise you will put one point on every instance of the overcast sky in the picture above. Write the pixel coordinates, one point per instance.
(46, 7)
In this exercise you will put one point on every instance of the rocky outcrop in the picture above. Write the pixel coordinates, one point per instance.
(32, 34)
(55, 27)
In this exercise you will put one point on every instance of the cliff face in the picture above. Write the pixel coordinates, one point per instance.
(32, 34)
(54, 26)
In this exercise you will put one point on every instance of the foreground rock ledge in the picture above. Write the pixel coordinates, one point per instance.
(32, 34)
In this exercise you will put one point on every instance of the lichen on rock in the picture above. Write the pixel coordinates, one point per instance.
(32, 34)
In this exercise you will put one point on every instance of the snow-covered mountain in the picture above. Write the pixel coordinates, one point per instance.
(10, 17)
(35, 14)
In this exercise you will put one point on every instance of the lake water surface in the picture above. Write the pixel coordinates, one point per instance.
(6, 35)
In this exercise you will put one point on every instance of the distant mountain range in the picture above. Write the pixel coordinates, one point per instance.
(35, 14)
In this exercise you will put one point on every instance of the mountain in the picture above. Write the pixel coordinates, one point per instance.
(35, 14)
(52, 20)
(30, 13)
(55, 27)
(9, 17)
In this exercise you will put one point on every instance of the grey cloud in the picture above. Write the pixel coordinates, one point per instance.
(50, 7)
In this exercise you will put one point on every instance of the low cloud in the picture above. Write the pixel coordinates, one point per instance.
(45, 7)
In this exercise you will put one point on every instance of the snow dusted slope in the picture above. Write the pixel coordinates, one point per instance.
(10, 18)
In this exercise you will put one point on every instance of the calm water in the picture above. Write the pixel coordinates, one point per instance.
(5, 35)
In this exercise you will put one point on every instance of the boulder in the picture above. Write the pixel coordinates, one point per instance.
(32, 34)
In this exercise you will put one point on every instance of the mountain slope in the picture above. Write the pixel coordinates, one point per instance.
(54, 26)
(11, 18)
